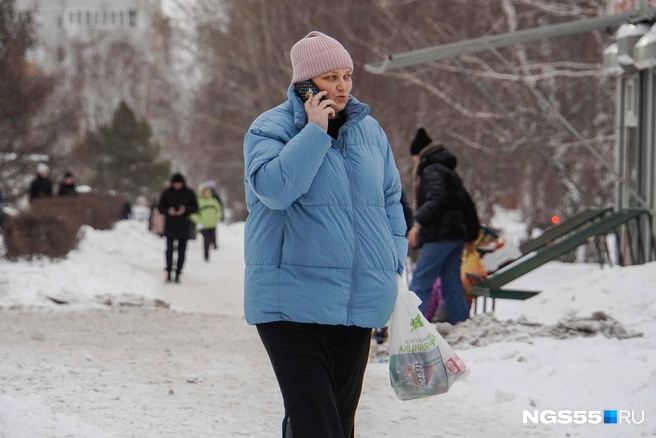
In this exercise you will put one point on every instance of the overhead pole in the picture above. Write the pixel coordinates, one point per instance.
(482, 44)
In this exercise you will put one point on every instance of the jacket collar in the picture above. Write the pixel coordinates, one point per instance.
(356, 111)
(437, 153)
(428, 150)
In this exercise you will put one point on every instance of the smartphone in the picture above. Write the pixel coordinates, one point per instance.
(304, 87)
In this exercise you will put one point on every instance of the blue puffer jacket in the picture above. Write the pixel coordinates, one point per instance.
(325, 236)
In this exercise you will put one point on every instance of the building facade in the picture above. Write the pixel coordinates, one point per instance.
(60, 24)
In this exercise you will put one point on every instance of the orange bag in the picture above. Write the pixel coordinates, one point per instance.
(472, 272)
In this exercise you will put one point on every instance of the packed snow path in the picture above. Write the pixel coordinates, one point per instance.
(157, 373)
(198, 370)
(215, 287)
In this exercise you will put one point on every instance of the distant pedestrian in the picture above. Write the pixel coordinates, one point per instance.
(212, 186)
(445, 219)
(67, 185)
(42, 185)
(177, 203)
(208, 216)
(126, 210)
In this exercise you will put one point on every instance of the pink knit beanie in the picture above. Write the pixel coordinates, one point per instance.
(317, 53)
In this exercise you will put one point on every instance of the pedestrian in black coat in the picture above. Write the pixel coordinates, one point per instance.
(41, 186)
(67, 185)
(443, 206)
(445, 221)
(177, 203)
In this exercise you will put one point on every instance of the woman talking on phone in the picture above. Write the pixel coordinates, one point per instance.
(324, 239)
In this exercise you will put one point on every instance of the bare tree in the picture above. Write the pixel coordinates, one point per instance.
(30, 130)
(498, 111)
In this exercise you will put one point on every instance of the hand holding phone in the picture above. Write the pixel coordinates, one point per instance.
(305, 89)
(316, 105)
(318, 110)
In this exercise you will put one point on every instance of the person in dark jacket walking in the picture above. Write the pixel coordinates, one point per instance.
(177, 203)
(126, 210)
(67, 185)
(445, 219)
(41, 186)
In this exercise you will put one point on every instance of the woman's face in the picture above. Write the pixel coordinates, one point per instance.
(338, 85)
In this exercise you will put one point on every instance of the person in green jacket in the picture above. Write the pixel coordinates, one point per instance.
(208, 215)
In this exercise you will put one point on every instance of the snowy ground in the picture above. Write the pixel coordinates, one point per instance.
(92, 370)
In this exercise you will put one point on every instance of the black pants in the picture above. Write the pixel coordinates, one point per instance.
(182, 249)
(320, 369)
(209, 239)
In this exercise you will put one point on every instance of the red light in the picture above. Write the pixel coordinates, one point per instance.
(555, 220)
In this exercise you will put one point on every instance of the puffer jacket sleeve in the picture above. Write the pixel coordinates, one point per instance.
(393, 207)
(279, 173)
(434, 188)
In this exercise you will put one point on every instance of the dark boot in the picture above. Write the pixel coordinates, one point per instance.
(168, 276)
(381, 335)
(177, 276)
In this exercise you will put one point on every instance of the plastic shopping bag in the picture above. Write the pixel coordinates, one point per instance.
(421, 363)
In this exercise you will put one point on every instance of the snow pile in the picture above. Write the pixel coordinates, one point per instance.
(485, 329)
(108, 267)
(610, 302)
(528, 359)
(626, 294)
